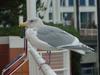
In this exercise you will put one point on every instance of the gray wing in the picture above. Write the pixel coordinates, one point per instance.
(54, 36)
(59, 38)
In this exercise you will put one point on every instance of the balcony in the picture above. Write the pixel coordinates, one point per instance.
(88, 32)
(89, 36)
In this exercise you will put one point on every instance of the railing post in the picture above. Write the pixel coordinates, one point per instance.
(67, 61)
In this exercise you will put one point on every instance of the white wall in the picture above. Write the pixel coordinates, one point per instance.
(16, 42)
(88, 58)
(4, 40)
(13, 41)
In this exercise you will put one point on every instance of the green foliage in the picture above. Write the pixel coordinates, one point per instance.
(69, 29)
(12, 12)
(12, 31)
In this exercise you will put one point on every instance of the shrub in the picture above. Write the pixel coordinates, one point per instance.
(70, 29)
(12, 31)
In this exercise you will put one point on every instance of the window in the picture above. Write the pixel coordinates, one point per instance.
(88, 69)
(82, 2)
(83, 17)
(87, 18)
(67, 16)
(70, 2)
(62, 2)
(51, 4)
(91, 2)
(50, 16)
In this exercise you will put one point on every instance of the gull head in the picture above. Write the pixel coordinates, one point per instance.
(36, 22)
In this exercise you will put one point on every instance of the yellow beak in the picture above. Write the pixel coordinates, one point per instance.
(24, 24)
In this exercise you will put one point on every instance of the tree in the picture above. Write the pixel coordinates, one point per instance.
(16, 8)
(12, 6)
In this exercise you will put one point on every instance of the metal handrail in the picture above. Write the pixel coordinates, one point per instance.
(19, 66)
(11, 64)
(45, 68)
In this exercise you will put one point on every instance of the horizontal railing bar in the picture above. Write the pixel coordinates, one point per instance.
(4, 70)
(12, 61)
(19, 66)
(59, 51)
(61, 69)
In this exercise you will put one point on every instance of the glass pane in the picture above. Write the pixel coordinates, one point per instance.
(51, 4)
(83, 17)
(50, 16)
(62, 2)
(71, 2)
(67, 16)
(91, 2)
(82, 2)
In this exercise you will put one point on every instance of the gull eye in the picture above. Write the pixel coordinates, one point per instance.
(31, 21)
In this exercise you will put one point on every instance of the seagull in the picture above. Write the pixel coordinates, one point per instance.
(46, 37)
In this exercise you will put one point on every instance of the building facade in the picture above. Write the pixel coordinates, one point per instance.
(60, 11)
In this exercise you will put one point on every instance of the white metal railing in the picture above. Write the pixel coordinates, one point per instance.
(18, 67)
(40, 62)
(11, 65)
(59, 61)
(40, 66)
